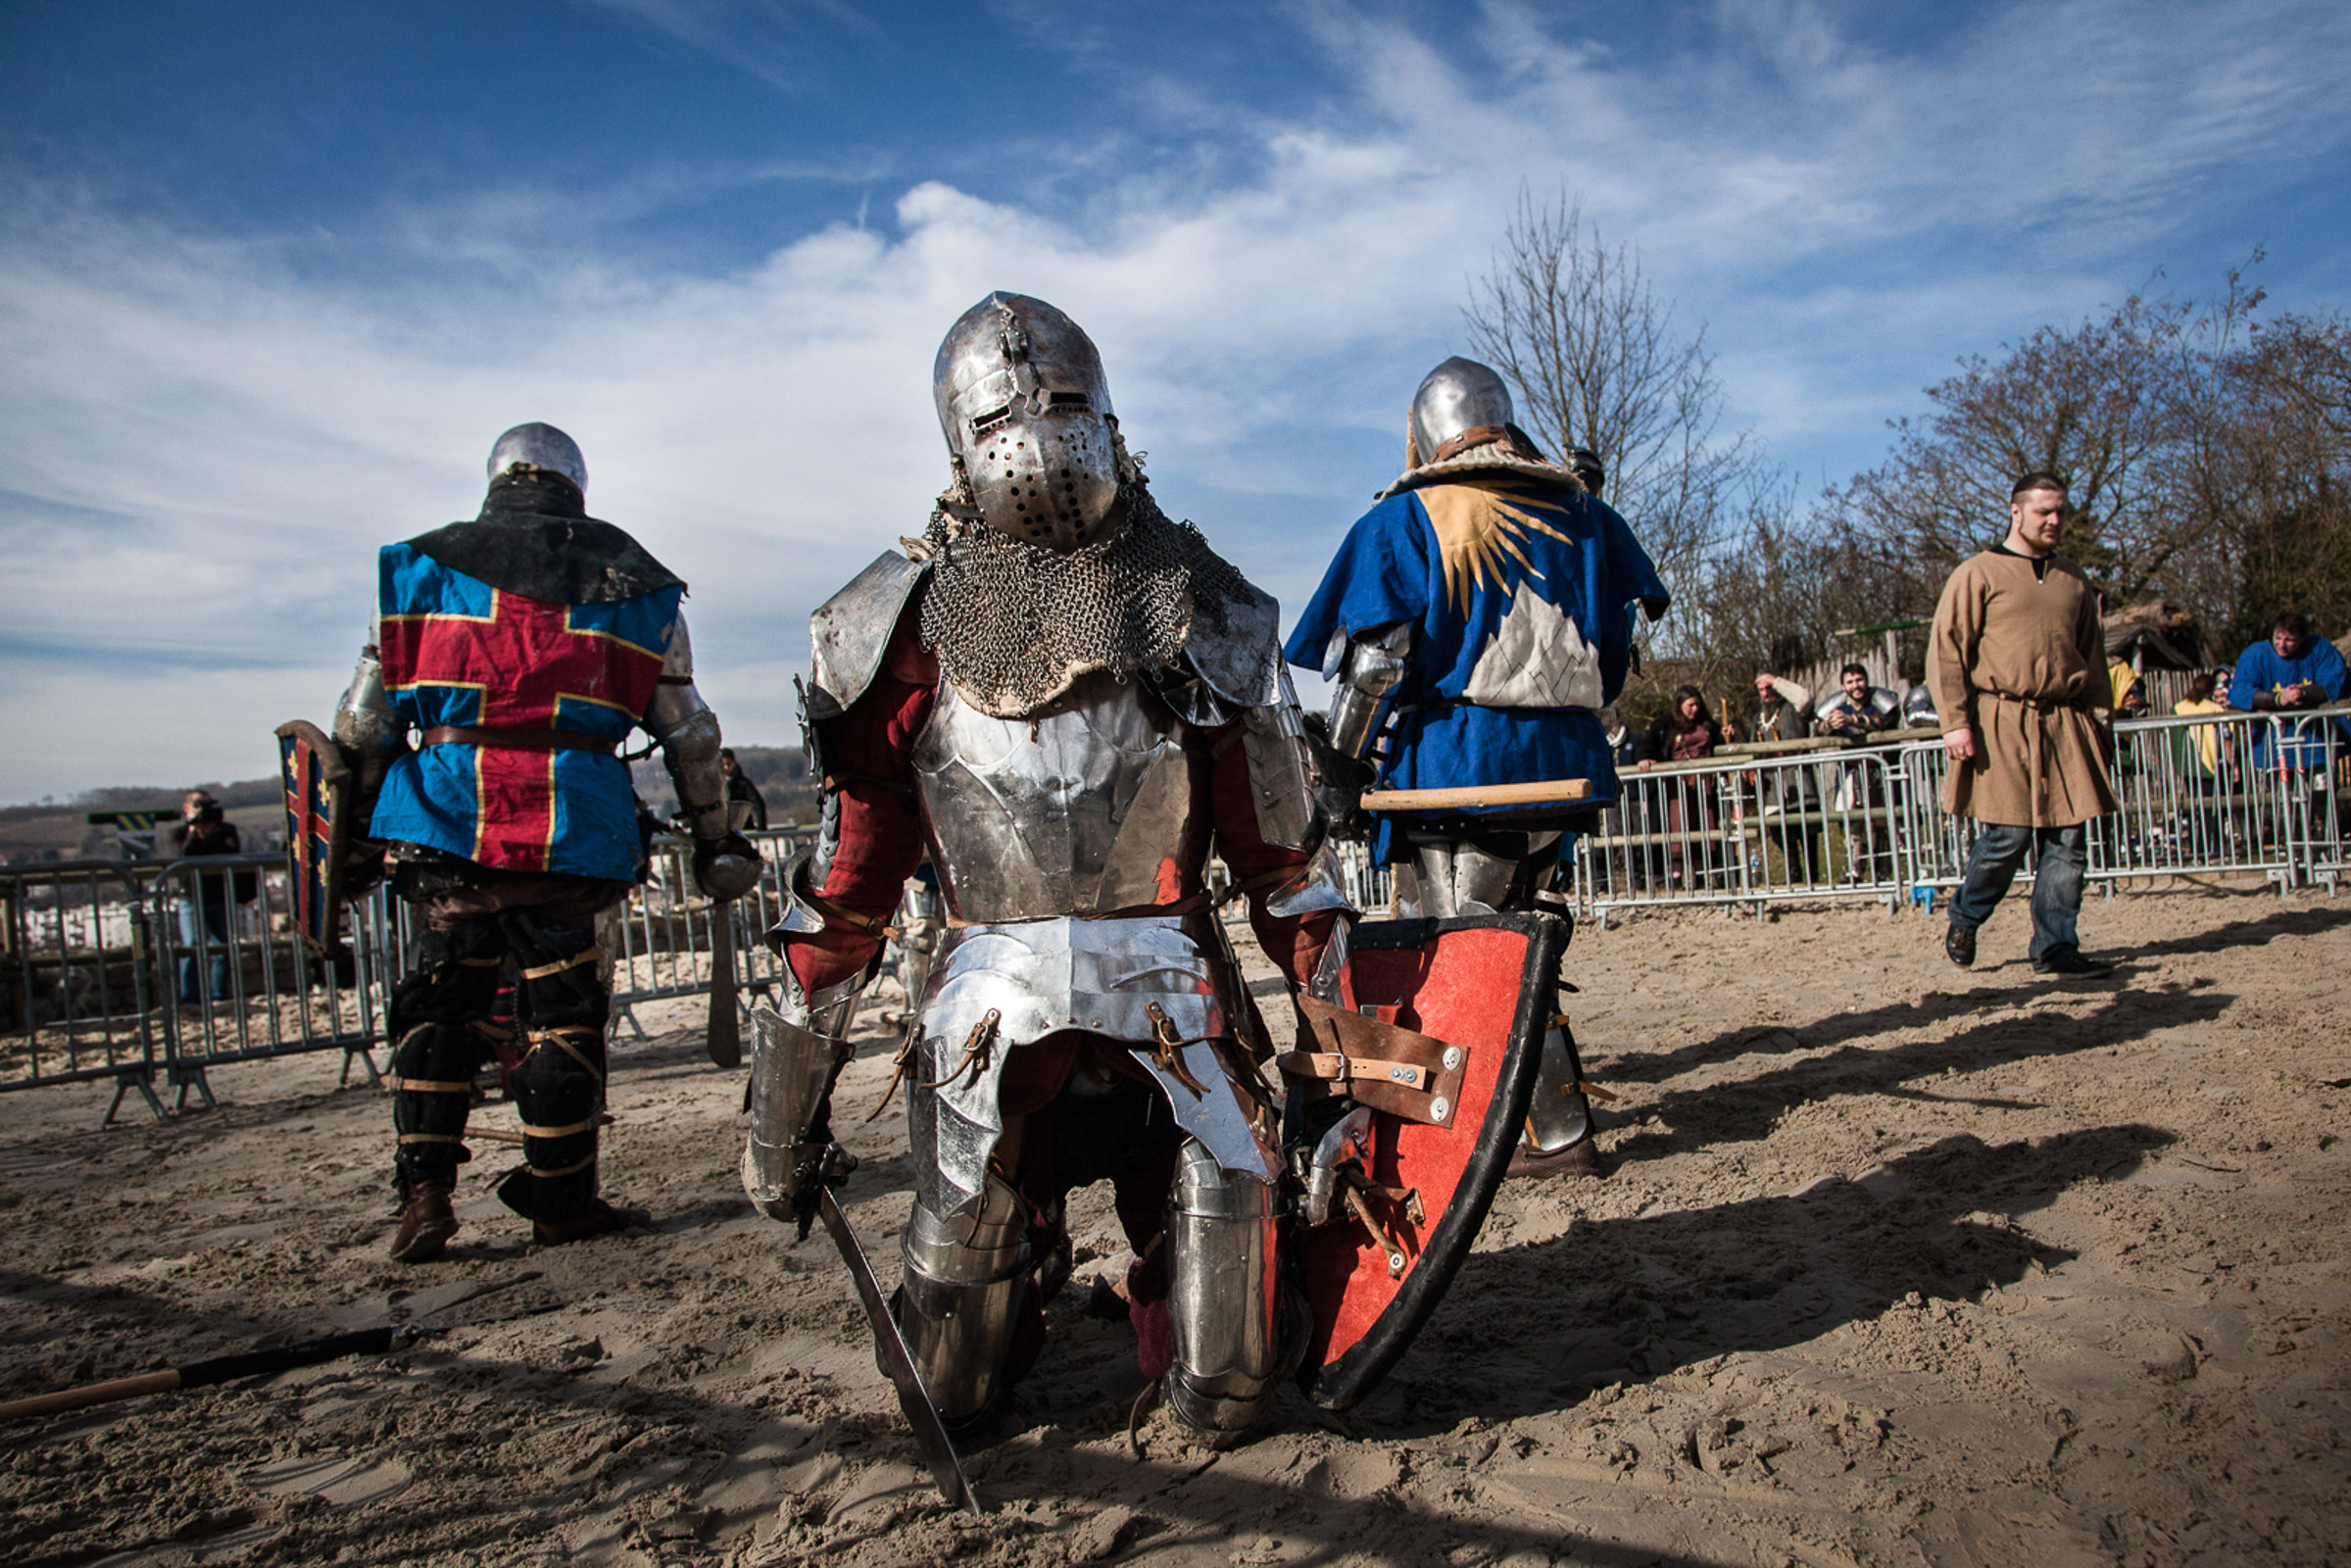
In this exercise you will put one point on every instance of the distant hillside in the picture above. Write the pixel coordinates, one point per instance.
(60, 830)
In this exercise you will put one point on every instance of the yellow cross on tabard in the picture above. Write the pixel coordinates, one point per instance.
(1480, 530)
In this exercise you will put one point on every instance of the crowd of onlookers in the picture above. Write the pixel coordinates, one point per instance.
(2293, 667)
(1671, 823)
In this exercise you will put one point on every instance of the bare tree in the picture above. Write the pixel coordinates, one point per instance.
(1598, 363)
(2206, 456)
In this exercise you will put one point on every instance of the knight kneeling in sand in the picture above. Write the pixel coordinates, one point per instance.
(1072, 703)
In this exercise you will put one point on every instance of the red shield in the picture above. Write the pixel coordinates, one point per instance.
(1450, 1019)
(321, 801)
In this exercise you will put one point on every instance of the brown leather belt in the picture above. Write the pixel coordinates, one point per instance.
(517, 740)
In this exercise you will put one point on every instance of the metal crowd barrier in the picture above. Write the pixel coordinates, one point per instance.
(1749, 830)
(150, 973)
(2244, 793)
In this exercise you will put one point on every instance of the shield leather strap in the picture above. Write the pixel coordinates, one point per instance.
(1375, 1062)
(930, 1433)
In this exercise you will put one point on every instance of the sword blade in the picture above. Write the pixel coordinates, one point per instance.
(930, 1433)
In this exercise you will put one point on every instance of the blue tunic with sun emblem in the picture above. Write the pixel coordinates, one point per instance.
(1521, 595)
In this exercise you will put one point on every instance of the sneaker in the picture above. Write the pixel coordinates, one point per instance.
(425, 1223)
(1959, 945)
(599, 1218)
(2069, 961)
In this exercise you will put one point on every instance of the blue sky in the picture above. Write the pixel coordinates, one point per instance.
(272, 277)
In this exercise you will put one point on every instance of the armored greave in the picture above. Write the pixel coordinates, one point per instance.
(562, 1004)
(1453, 876)
(1450, 876)
(1225, 1298)
(438, 1017)
(959, 1303)
(796, 1053)
(1560, 1116)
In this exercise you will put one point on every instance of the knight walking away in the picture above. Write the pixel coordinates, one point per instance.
(1477, 621)
(1069, 702)
(522, 646)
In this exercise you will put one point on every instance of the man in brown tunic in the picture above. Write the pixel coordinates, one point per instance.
(2018, 666)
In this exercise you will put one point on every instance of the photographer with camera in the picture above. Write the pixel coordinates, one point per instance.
(204, 911)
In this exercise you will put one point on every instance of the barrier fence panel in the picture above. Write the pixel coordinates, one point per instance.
(75, 1004)
(1747, 830)
(660, 940)
(237, 983)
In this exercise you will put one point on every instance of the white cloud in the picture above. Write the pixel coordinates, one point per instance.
(203, 447)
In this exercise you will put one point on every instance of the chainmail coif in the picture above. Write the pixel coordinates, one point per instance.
(1015, 625)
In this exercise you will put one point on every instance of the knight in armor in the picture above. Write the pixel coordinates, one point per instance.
(1070, 703)
(522, 646)
(1477, 621)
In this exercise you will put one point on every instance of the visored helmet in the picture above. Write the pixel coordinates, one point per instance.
(1458, 396)
(1026, 408)
(540, 446)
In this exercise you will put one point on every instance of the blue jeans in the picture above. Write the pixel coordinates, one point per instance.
(2056, 885)
(205, 923)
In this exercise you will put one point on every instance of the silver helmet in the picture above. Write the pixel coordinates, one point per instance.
(1458, 395)
(540, 446)
(1026, 411)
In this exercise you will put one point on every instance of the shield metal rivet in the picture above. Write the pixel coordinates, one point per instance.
(1439, 1108)
(1452, 1057)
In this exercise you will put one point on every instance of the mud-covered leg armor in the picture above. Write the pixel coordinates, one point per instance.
(1225, 1295)
(960, 1304)
(562, 1004)
(439, 1017)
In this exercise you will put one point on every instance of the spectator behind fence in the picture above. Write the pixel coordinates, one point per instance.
(1783, 712)
(2201, 745)
(741, 791)
(1859, 707)
(2295, 668)
(1686, 732)
(2129, 689)
(204, 912)
(1630, 747)
(2017, 660)
(1780, 707)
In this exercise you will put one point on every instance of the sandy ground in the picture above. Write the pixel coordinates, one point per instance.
(1898, 1264)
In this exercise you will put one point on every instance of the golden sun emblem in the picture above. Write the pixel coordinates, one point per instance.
(1481, 530)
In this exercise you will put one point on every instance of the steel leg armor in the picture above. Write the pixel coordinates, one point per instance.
(1225, 1294)
(1450, 876)
(796, 1055)
(961, 1300)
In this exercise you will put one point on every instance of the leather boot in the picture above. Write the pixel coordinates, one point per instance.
(599, 1218)
(1581, 1158)
(426, 1222)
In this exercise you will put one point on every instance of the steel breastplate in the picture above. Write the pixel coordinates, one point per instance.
(1091, 807)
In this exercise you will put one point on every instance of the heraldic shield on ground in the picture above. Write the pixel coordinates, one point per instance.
(321, 795)
(1441, 1025)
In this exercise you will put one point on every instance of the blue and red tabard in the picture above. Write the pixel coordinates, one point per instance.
(458, 653)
